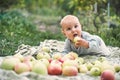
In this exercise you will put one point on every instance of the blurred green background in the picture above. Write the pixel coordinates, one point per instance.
(32, 21)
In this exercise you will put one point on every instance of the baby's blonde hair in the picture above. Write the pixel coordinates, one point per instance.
(68, 19)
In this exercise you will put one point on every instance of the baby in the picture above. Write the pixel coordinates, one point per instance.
(86, 43)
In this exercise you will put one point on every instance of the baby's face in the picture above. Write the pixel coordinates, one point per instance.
(71, 29)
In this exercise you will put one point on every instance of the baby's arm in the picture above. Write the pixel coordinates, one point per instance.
(97, 45)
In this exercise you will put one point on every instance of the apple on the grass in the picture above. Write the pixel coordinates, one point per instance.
(107, 75)
(69, 71)
(9, 63)
(22, 67)
(54, 69)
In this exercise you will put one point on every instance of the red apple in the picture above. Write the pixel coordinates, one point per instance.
(56, 62)
(107, 75)
(63, 59)
(69, 71)
(73, 55)
(54, 69)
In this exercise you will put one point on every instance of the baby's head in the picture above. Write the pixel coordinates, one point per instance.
(69, 20)
(71, 26)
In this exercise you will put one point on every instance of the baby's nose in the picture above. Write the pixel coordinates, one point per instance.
(73, 29)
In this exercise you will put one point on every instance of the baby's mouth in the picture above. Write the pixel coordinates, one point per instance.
(75, 35)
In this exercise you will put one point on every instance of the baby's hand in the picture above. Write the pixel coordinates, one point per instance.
(81, 42)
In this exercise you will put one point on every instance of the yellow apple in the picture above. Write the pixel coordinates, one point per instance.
(83, 69)
(69, 71)
(76, 39)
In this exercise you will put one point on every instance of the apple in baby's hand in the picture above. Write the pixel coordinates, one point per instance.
(107, 75)
(76, 38)
(54, 69)
(69, 71)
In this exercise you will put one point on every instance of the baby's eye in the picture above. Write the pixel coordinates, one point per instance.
(76, 26)
(68, 28)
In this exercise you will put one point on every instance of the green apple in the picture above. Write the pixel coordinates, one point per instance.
(57, 56)
(41, 55)
(97, 64)
(9, 63)
(95, 71)
(89, 65)
(21, 67)
(101, 59)
(44, 61)
(79, 60)
(40, 68)
(46, 49)
(117, 67)
(83, 69)
(69, 71)
(76, 39)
